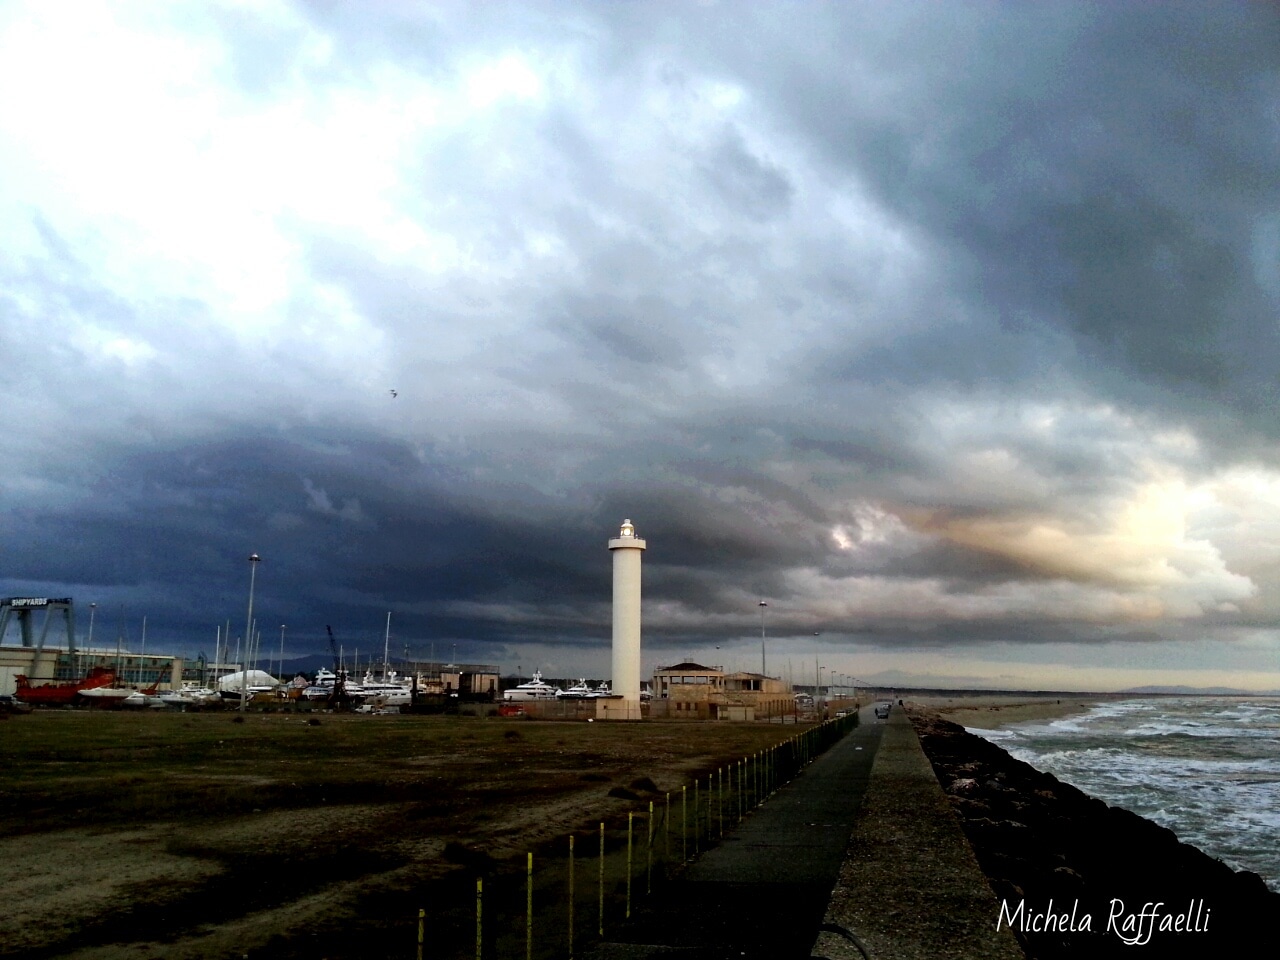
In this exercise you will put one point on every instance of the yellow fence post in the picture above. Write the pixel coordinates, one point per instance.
(422, 916)
(684, 824)
(720, 798)
(666, 828)
(696, 822)
(648, 856)
(740, 808)
(630, 820)
(571, 896)
(528, 911)
(479, 918)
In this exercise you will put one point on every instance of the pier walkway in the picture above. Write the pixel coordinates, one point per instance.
(891, 876)
(762, 892)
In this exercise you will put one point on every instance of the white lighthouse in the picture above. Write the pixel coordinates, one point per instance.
(626, 548)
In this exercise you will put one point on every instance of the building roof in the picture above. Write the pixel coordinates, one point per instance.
(689, 667)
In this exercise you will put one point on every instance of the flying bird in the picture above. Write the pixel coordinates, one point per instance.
(393, 393)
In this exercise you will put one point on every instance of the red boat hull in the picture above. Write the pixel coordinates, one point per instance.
(61, 692)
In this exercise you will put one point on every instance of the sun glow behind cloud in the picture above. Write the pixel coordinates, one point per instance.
(791, 286)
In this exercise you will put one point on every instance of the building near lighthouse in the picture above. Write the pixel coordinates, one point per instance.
(627, 549)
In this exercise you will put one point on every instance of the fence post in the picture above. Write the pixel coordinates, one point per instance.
(479, 918)
(648, 856)
(571, 896)
(630, 820)
(601, 931)
(740, 807)
(528, 911)
(696, 822)
(684, 824)
(422, 915)
(720, 799)
(666, 829)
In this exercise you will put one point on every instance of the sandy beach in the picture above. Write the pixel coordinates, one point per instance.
(992, 712)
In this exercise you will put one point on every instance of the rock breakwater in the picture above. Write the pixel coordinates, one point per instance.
(1078, 878)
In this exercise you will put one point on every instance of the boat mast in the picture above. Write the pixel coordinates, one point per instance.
(386, 647)
(119, 640)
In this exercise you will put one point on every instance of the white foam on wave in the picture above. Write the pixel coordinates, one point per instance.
(995, 736)
(1217, 786)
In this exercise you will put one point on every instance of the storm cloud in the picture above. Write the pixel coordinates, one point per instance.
(951, 330)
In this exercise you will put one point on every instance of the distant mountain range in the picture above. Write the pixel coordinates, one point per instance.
(1204, 691)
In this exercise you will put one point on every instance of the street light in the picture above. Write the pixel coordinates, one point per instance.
(93, 608)
(254, 560)
(763, 671)
(282, 653)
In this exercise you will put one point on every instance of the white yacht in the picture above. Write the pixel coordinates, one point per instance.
(190, 693)
(579, 691)
(391, 691)
(534, 689)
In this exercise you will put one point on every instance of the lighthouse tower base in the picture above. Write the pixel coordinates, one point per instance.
(616, 708)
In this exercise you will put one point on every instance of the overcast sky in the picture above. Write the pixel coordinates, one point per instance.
(948, 329)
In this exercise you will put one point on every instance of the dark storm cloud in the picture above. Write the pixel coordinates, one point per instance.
(912, 318)
(1104, 172)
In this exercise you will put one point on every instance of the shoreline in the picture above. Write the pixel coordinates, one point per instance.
(999, 711)
(1051, 851)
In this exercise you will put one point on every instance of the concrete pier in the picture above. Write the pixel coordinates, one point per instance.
(858, 856)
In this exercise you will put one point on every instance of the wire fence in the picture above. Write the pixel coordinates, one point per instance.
(568, 898)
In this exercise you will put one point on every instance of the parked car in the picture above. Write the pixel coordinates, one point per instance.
(882, 710)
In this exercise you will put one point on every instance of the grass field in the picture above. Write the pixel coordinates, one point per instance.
(198, 835)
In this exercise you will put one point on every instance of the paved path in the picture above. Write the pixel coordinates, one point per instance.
(910, 887)
(763, 891)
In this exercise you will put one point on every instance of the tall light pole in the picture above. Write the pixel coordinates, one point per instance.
(93, 608)
(763, 671)
(282, 653)
(254, 560)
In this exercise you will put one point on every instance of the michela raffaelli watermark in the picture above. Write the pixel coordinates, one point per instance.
(1133, 927)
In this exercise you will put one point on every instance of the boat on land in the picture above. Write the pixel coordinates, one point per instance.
(535, 689)
(579, 691)
(149, 698)
(190, 694)
(388, 692)
(584, 691)
(106, 696)
(325, 684)
(259, 681)
(59, 692)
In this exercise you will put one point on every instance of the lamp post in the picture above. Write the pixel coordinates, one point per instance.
(93, 608)
(282, 653)
(254, 560)
(763, 604)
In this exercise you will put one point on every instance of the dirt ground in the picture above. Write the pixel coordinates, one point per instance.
(204, 836)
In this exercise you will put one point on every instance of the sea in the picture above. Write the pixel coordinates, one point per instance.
(1208, 768)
